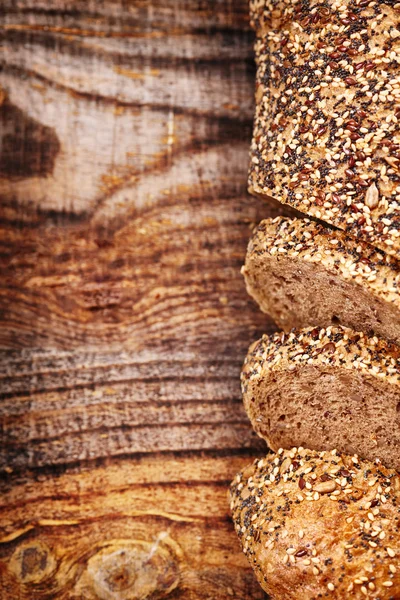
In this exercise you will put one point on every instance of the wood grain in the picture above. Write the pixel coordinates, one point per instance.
(124, 133)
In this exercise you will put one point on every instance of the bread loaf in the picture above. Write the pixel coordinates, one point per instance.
(302, 273)
(319, 525)
(323, 389)
(326, 135)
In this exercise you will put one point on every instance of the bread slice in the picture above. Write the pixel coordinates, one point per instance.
(319, 525)
(324, 389)
(302, 273)
(327, 130)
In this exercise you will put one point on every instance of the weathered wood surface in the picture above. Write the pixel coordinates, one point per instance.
(124, 132)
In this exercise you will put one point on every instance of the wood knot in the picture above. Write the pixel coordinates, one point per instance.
(27, 148)
(32, 563)
(133, 570)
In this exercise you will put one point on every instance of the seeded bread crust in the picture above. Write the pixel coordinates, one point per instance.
(319, 525)
(326, 135)
(323, 389)
(302, 273)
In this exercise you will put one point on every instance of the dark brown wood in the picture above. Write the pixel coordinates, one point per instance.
(124, 133)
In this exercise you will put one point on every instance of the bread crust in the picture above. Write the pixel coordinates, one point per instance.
(326, 132)
(303, 544)
(324, 347)
(284, 258)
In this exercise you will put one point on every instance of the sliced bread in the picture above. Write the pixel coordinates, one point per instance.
(327, 130)
(324, 389)
(319, 525)
(302, 273)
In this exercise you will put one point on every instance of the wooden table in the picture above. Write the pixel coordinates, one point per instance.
(124, 134)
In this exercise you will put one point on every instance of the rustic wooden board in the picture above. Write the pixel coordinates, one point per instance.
(124, 132)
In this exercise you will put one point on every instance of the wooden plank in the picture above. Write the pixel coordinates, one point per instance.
(110, 531)
(88, 407)
(124, 133)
